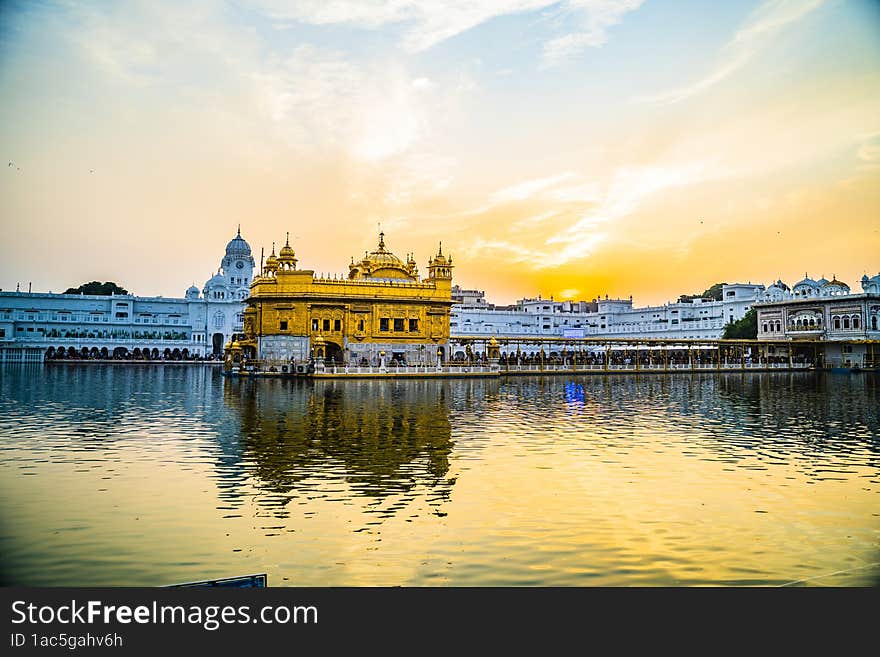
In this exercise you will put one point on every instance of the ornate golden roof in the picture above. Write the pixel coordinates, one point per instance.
(381, 263)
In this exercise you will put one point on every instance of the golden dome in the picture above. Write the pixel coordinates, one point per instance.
(286, 252)
(380, 263)
(271, 261)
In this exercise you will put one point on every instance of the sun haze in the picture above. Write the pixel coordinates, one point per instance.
(568, 148)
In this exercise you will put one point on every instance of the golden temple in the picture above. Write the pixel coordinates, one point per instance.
(381, 313)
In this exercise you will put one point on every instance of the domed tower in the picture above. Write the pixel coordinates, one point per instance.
(806, 287)
(237, 266)
(192, 293)
(286, 256)
(440, 267)
(381, 264)
(834, 288)
(270, 267)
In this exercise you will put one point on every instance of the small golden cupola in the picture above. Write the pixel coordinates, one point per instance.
(381, 264)
(440, 267)
(286, 257)
(271, 265)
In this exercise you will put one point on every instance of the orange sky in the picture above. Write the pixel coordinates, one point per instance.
(569, 149)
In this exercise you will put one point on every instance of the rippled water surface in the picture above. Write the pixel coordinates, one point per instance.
(156, 474)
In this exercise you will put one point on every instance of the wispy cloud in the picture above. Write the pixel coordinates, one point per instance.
(869, 149)
(529, 188)
(426, 23)
(577, 230)
(594, 18)
(759, 30)
(629, 188)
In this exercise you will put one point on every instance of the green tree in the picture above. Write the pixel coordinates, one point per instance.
(743, 329)
(713, 292)
(96, 287)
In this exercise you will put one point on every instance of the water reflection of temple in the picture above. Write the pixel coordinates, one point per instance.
(377, 438)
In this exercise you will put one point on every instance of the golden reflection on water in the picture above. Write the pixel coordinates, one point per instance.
(160, 474)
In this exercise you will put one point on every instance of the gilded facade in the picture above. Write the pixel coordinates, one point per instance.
(382, 311)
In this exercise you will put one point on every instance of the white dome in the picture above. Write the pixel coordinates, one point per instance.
(238, 246)
(216, 281)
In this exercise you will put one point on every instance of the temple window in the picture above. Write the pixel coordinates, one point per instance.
(337, 325)
(413, 326)
(398, 325)
(283, 324)
(383, 324)
(846, 322)
(326, 324)
(836, 322)
(314, 324)
(855, 321)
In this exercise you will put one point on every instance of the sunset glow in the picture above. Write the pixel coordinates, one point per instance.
(571, 148)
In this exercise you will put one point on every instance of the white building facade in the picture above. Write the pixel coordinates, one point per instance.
(824, 310)
(128, 326)
(700, 318)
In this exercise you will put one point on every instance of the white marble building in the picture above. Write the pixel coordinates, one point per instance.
(823, 310)
(101, 326)
(700, 318)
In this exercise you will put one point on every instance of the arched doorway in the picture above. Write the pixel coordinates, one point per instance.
(217, 344)
(120, 353)
(333, 353)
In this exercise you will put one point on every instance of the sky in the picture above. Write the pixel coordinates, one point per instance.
(569, 149)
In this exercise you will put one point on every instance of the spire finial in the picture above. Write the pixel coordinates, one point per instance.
(287, 243)
(238, 233)
(273, 248)
(381, 239)
(440, 250)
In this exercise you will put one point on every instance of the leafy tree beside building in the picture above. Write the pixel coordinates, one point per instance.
(96, 287)
(713, 293)
(743, 329)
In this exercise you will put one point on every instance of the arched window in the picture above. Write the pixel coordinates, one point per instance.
(846, 322)
(812, 322)
(874, 323)
(855, 321)
(778, 325)
(764, 327)
(836, 322)
(219, 320)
